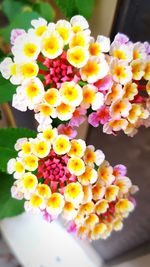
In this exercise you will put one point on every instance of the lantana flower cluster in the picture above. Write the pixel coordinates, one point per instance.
(59, 176)
(62, 72)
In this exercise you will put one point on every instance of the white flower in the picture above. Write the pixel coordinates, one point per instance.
(16, 166)
(99, 157)
(122, 51)
(34, 91)
(63, 27)
(27, 47)
(96, 68)
(19, 100)
(52, 44)
(80, 22)
(8, 69)
(121, 71)
(71, 93)
(42, 120)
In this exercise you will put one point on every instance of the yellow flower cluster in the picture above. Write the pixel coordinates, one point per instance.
(56, 176)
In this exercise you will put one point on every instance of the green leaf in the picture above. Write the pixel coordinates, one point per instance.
(6, 155)
(2, 55)
(9, 136)
(6, 90)
(8, 206)
(45, 10)
(74, 7)
(11, 8)
(68, 7)
(85, 7)
(21, 21)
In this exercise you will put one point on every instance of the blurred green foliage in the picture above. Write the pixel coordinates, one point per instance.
(74, 7)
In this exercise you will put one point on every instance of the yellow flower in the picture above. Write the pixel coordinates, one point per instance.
(49, 134)
(34, 90)
(29, 181)
(130, 90)
(98, 231)
(26, 148)
(121, 71)
(120, 107)
(117, 125)
(86, 208)
(40, 30)
(114, 93)
(69, 211)
(46, 110)
(96, 68)
(30, 162)
(41, 148)
(36, 201)
(91, 221)
(111, 193)
(43, 190)
(71, 93)
(52, 97)
(82, 231)
(101, 206)
(91, 156)
(87, 191)
(79, 39)
(77, 148)
(124, 184)
(147, 70)
(105, 173)
(52, 45)
(61, 144)
(73, 193)
(98, 191)
(118, 225)
(95, 49)
(134, 113)
(124, 206)
(64, 111)
(88, 177)
(55, 204)
(63, 27)
(19, 167)
(77, 56)
(137, 69)
(76, 166)
(28, 70)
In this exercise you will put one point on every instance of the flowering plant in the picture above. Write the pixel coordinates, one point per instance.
(64, 75)
(56, 176)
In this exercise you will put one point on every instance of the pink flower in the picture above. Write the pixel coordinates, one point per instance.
(121, 38)
(119, 170)
(60, 71)
(67, 130)
(72, 228)
(47, 217)
(14, 34)
(78, 117)
(104, 84)
(99, 117)
(53, 170)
